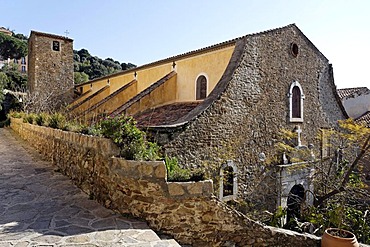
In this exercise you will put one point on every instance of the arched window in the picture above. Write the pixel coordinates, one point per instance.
(296, 98)
(296, 105)
(228, 181)
(201, 87)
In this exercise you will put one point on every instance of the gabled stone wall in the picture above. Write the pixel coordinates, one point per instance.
(188, 211)
(247, 117)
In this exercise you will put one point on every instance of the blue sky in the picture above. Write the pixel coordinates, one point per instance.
(144, 31)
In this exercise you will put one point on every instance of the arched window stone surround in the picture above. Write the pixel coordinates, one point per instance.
(201, 86)
(229, 164)
(296, 98)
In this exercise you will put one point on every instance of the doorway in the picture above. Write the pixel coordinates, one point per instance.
(295, 200)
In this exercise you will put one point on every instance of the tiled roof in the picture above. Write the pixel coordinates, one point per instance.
(5, 31)
(364, 119)
(351, 92)
(53, 36)
(164, 115)
(203, 50)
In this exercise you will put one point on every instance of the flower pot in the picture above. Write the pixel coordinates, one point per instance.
(331, 238)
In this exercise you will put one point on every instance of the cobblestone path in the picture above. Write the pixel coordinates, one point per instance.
(41, 207)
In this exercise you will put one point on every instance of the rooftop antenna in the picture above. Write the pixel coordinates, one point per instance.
(66, 32)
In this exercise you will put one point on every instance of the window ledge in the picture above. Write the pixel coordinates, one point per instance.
(296, 120)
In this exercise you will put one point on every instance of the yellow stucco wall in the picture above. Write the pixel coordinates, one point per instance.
(87, 104)
(210, 63)
(166, 93)
(114, 102)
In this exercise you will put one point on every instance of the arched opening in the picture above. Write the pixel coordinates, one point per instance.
(228, 181)
(201, 86)
(294, 203)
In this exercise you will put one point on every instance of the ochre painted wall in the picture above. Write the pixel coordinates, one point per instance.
(210, 62)
(87, 104)
(164, 94)
(111, 104)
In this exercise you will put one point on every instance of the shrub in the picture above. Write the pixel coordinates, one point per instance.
(152, 151)
(130, 139)
(58, 121)
(4, 123)
(42, 119)
(93, 130)
(174, 171)
(29, 118)
(177, 174)
(16, 114)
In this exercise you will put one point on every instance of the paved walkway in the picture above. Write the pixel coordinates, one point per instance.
(41, 207)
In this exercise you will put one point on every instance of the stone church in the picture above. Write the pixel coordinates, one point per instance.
(221, 109)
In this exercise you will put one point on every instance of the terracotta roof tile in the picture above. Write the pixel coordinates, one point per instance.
(200, 51)
(351, 92)
(49, 35)
(164, 115)
(364, 119)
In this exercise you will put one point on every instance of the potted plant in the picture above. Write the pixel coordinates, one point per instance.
(336, 237)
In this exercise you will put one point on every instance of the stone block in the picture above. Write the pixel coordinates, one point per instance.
(175, 189)
(195, 188)
(160, 170)
(145, 169)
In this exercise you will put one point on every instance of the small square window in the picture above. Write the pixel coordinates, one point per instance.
(56, 46)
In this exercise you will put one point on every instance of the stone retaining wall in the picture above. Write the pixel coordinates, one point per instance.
(186, 210)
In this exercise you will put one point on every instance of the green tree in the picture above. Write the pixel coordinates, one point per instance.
(3, 80)
(83, 53)
(12, 47)
(80, 77)
(16, 80)
(20, 36)
(96, 67)
(354, 143)
(341, 199)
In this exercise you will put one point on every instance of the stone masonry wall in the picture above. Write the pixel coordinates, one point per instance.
(50, 71)
(188, 211)
(246, 120)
